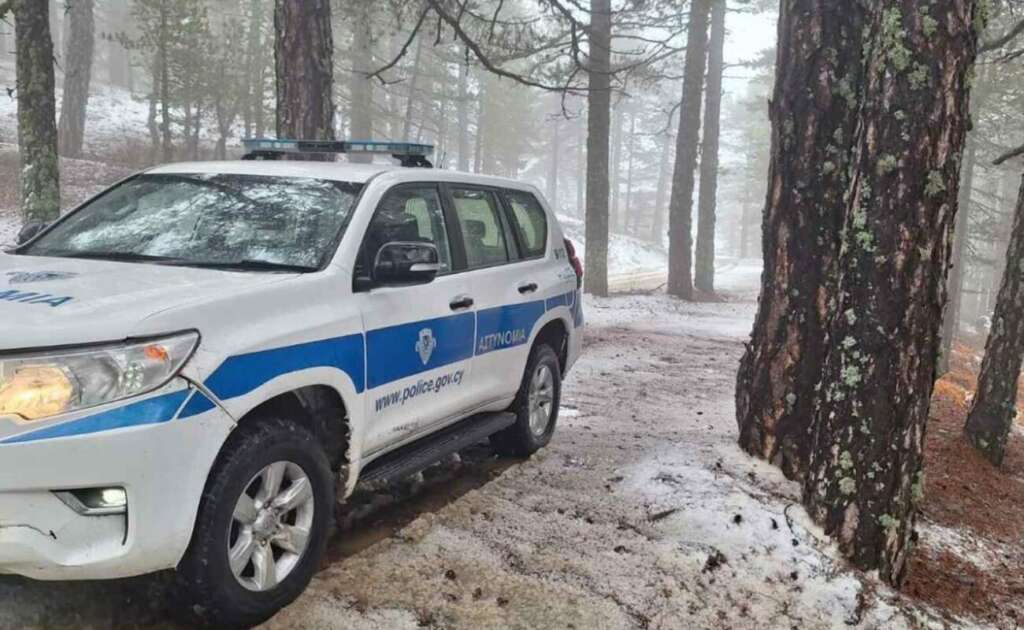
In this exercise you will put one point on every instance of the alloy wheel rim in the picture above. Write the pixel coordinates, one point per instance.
(541, 399)
(271, 526)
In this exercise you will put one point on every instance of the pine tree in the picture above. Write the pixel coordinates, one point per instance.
(864, 477)
(995, 404)
(704, 269)
(37, 124)
(812, 128)
(304, 53)
(680, 230)
(77, 75)
(599, 103)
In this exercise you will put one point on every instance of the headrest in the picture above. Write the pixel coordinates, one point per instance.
(476, 229)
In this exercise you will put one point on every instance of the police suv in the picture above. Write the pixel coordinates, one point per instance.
(196, 363)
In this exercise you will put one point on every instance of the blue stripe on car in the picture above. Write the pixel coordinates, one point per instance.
(506, 326)
(392, 353)
(245, 373)
(154, 410)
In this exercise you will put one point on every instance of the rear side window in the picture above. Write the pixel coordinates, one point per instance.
(482, 232)
(530, 222)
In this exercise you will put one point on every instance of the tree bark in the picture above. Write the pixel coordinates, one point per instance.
(865, 473)
(812, 126)
(704, 272)
(360, 83)
(995, 404)
(304, 53)
(37, 126)
(599, 104)
(77, 74)
(680, 214)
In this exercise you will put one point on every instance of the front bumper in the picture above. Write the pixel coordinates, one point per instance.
(162, 464)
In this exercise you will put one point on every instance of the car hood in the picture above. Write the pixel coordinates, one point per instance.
(65, 301)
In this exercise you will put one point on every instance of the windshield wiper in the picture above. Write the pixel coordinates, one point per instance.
(248, 265)
(115, 256)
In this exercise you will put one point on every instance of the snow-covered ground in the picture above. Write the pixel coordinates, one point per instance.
(117, 118)
(642, 513)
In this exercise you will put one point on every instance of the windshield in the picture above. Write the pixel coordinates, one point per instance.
(217, 220)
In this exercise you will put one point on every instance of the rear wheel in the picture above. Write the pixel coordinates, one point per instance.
(535, 406)
(262, 528)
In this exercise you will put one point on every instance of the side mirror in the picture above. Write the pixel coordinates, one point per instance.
(402, 263)
(30, 231)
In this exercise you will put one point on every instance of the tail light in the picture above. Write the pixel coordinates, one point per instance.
(574, 260)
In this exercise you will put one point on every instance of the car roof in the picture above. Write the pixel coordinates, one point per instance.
(335, 171)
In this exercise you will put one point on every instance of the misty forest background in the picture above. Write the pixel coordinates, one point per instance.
(867, 159)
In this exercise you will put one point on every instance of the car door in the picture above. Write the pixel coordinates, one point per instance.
(507, 285)
(419, 339)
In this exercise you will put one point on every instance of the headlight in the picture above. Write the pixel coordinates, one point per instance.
(38, 386)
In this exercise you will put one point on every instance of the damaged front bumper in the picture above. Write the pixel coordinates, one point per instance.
(161, 463)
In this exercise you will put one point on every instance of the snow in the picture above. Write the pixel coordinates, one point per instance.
(626, 254)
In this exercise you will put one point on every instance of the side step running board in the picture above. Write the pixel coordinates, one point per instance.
(413, 458)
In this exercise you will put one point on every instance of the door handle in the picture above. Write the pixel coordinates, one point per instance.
(529, 287)
(460, 302)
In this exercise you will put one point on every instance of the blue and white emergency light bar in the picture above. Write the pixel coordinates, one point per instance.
(408, 153)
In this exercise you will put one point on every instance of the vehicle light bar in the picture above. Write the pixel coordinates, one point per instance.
(408, 153)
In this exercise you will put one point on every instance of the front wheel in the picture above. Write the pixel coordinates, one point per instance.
(262, 528)
(535, 406)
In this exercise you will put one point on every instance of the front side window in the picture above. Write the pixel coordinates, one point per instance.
(482, 231)
(530, 221)
(408, 214)
(215, 220)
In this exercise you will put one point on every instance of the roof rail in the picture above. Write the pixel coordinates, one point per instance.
(409, 154)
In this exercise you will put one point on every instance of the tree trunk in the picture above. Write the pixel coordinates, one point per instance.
(599, 105)
(658, 222)
(581, 180)
(627, 211)
(360, 84)
(463, 112)
(704, 273)
(680, 214)
(304, 52)
(951, 315)
(410, 103)
(37, 129)
(163, 55)
(615, 213)
(812, 127)
(556, 151)
(77, 73)
(865, 473)
(995, 404)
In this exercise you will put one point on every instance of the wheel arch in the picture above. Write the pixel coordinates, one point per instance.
(322, 410)
(555, 333)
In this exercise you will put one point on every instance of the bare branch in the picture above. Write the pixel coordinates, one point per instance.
(1009, 155)
(377, 74)
(998, 43)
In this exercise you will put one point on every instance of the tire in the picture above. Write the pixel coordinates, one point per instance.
(524, 438)
(207, 590)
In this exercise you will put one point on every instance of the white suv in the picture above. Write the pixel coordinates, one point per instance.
(194, 360)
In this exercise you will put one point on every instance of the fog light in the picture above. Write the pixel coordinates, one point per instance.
(95, 501)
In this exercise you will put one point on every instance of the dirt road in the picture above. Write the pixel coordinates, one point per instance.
(641, 514)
